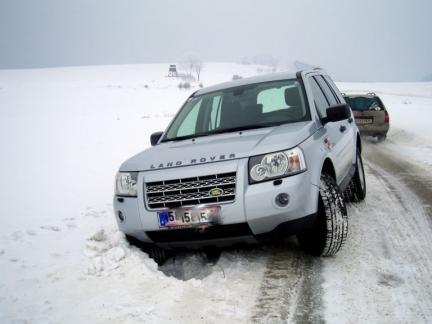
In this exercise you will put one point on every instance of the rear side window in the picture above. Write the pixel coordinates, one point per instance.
(320, 100)
(360, 103)
(327, 91)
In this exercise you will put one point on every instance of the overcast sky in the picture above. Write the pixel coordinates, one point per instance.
(387, 40)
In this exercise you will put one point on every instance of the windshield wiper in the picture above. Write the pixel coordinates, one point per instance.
(220, 131)
(241, 128)
(181, 138)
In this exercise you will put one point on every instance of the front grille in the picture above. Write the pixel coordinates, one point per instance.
(190, 191)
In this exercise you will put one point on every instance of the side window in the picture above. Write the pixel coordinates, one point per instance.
(320, 100)
(188, 125)
(334, 88)
(327, 91)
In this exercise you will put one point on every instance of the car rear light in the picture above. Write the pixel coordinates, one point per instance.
(386, 117)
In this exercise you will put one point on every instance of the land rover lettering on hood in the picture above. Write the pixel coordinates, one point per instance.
(247, 161)
(213, 158)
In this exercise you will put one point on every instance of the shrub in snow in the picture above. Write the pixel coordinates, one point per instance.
(180, 85)
(201, 85)
(188, 77)
(237, 77)
(186, 85)
(146, 86)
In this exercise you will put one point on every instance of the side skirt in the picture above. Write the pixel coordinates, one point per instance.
(345, 182)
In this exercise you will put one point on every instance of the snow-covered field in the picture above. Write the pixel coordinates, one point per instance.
(64, 133)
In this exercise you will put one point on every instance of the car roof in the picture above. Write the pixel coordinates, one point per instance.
(366, 95)
(277, 76)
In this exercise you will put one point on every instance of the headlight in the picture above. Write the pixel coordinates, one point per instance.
(276, 165)
(126, 184)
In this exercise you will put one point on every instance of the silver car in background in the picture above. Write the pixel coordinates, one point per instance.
(370, 114)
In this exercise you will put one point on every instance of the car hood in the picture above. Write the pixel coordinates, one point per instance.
(220, 147)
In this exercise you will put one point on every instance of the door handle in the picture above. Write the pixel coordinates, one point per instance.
(342, 128)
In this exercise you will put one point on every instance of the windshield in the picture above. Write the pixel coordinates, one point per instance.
(360, 103)
(246, 107)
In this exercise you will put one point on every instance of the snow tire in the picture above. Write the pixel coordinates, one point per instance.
(330, 229)
(158, 255)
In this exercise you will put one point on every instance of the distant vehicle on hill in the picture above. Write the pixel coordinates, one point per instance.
(172, 71)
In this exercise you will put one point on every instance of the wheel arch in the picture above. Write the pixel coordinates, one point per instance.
(328, 168)
(359, 143)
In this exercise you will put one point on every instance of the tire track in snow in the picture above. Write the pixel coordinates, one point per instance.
(409, 244)
(383, 273)
(410, 174)
(291, 288)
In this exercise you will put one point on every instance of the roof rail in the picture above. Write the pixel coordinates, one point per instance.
(310, 70)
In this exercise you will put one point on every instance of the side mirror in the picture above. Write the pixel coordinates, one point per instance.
(155, 137)
(337, 113)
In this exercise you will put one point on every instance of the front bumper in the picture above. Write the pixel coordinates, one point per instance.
(254, 215)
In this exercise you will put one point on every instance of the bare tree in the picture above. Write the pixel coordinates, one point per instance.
(197, 67)
(192, 64)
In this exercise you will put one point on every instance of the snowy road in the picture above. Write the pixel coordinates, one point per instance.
(383, 273)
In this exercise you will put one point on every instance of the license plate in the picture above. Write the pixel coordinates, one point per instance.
(364, 121)
(187, 217)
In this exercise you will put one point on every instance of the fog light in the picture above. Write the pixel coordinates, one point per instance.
(282, 199)
(120, 216)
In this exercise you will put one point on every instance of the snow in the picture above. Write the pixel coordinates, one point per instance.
(387, 268)
(63, 134)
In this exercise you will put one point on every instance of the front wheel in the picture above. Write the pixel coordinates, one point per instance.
(330, 229)
(156, 253)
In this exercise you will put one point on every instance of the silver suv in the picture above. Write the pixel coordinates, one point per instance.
(247, 161)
